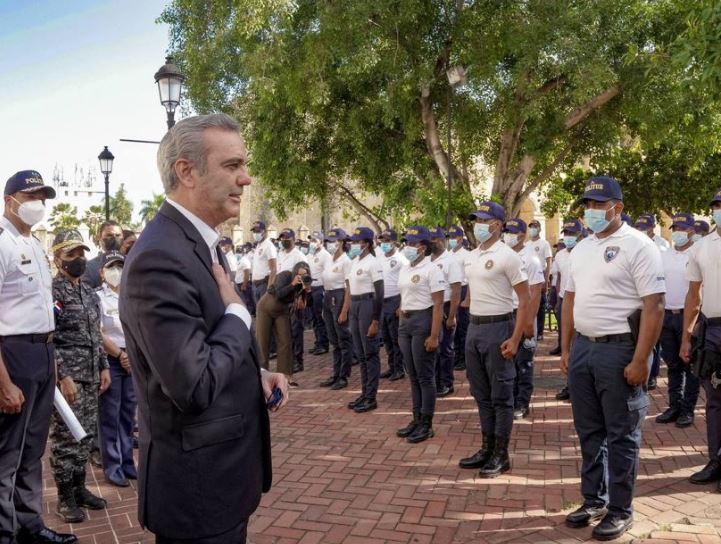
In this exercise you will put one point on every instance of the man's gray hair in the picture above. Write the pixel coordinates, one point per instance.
(185, 141)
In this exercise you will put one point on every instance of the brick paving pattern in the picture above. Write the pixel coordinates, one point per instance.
(341, 477)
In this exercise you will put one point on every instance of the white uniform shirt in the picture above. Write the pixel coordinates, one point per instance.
(391, 268)
(110, 318)
(288, 259)
(363, 274)
(704, 265)
(26, 300)
(417, 284)
(243, 265)
(674, 268)
(532, 267)
(462, 255)
(661, 242)
(492, 273)
(335, 275)
(264, 252)
(609, 277)
(560, 264)
(452, 271)
(542, 248)
(318, 262)
(232, 260)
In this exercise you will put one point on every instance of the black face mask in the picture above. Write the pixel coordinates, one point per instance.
(111, 244)
(75, 268)
(287, 244)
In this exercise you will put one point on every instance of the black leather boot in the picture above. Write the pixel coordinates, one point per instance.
(424, 431)
(83, 497)
(406, 431)
(499, 461)
(481, 457)
(710, 473)
(67, 509)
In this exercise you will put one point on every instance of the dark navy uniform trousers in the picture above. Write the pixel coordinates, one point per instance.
(366, 349)
(390, 324)
(338, 335)
(445, 355)
(420, 364)
(459, 343)
(683, 385)
(319, 327)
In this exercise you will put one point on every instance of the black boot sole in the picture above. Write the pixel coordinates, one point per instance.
(418, 440)
(586, 523)
(614, 536)
(491, 475)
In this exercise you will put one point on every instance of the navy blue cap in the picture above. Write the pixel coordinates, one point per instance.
(336, 234)
(316, 235)
(28, 181)
(683, 220)
(417, 233)
(362, 233)
(112, 257)
(645, 221)
(258, 226)
(716, 198)
(455, 232)
(515, 225)
(489, 210)
(225, 241)
(389, 235)
(626, 218)
(286, 233)
(437, 232)
(601, 189)
(572, 226)
(702, 227)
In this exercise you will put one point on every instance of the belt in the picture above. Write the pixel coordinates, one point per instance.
(674, 312)
(335, 290)
(410, 313)
(366, 296)
(394, 297)
(713, 321)
(260, 282)
(609, 338)
(46, 338)
(485, 319)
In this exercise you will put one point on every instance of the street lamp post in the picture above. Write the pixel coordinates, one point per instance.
(456, 77)
(170, 85)
(106, 166)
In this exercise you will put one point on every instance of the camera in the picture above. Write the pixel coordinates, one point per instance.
(307, 280)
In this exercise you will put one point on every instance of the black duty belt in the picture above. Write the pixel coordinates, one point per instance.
(713, 321)
(46, 338)
(366, 296)
(394, 297)
(410, 313)
(609, 338)
(485, 319)
(674, 312)
(260, 282)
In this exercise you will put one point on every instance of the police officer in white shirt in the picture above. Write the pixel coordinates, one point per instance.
(243, 281)
(646, 223)
(27, 361)
(421, 284)
(226, 246)
(542, 249)
(702, 229)
(362, 309)
(703, 304)
(334, 281)
(265, 260)
(683, 385)
(455, 246)
(494, 273)
(514, 237)
(391, 260)
(453, 273)
(319, 259)
(615, 286)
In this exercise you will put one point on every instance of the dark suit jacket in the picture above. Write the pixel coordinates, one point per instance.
(204, 429)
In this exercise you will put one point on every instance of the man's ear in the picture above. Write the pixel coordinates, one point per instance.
(185, 172)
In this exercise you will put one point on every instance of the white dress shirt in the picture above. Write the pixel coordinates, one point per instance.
(391, 268)
(704, 265)
(110, 317)
(492, 274)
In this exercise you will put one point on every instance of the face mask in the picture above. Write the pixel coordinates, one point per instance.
(717, 217)
(410, 253)
(596, 220)
(570, 241)
(354, 251)
(452, 243)
(31, 212)
(679, 238)
(304, 250)
(287, 244)
(74, 268)
(257, 236)
(331, 247)
(482, 232)
(113, 275)
(511, 240)
(312, 249)
(696, 238)
(386, 247)
(533, 231)
(111, 244)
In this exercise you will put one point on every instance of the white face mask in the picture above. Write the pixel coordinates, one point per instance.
(31, 212)
(113, 276)
(511, 240)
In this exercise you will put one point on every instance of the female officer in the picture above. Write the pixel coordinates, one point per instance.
(362, 309)
(422, 284)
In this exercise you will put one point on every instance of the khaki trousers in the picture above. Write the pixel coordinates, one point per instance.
(271, 315)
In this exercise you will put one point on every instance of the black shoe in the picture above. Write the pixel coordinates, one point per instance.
(611, 527)
(298, 367)
(481, 457)
(459, 366)
(366, 406)
(563, 394)
(352, 404)
(397, 376)
(422, 432)
(330, 381)
(340, 383)
(520, 413)
(312, 350)
(387, 374)
(67, 509)
(585, 515)
(45, 535)
(444, 391)
(555, 351)
(406, 431)
(710, 473)
(119, 481)
(684, 420)
(669, 416)
(651, 384)
(499, 461)
(321, 351)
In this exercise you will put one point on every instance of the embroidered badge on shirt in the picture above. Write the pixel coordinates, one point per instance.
(360, 272)
(489, 264)
(393, 263)
(416, 278)
(610, 253)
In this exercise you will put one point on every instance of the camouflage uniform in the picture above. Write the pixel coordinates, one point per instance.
(80, 355)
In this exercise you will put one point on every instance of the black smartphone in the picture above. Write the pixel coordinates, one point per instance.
(275, 399)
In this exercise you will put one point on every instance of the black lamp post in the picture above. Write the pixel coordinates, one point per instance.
(170, 84)
(106, 166)
(456, 77)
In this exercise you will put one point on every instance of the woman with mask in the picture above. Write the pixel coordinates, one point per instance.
(110, 238)
(422, 285)
(82, 375)
(362, 309)
(117, 405)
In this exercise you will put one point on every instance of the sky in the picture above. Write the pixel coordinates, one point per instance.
(77, 75)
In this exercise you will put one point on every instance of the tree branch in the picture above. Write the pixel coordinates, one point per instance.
(581, 113)
(378, 223)
(550, 85)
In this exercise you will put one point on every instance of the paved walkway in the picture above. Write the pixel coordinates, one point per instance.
(341, 477)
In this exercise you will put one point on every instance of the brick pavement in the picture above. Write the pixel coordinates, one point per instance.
(341, 477)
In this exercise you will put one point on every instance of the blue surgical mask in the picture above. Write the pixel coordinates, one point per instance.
(511, 240)
(452, 243)
(679, 238)
(596, 220)
(717, 217)
(331, 247)
(304, 250)
(410, 253)
(354, 251)
(696, 238)
(386, 247)
(570, 241)
(312, 249)
(533, 231)
(257, 236)
(482, 232)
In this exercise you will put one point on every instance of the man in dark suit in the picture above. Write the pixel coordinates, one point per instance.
(204, 428)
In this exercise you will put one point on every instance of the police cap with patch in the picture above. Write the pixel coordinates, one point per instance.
(28, 181)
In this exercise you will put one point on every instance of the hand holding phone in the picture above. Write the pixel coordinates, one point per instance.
(275, 399)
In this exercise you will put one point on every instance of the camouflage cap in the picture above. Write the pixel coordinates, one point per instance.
(67, 240)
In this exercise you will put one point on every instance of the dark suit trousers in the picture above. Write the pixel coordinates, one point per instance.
(237, 535)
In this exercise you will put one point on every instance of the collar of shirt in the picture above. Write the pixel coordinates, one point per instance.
(209, 234)
(620, 233)
(8, 226)
(495, 247)
(108, 292)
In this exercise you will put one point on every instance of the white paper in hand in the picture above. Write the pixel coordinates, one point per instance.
(68, 416)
